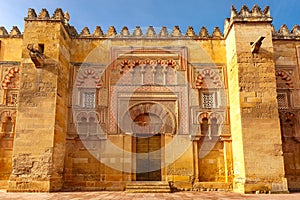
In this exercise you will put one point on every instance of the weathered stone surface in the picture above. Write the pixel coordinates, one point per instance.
(252, 94)
(69, 120)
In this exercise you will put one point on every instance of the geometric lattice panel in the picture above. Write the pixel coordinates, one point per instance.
(89, 100)
(208, 100)
(282, 101)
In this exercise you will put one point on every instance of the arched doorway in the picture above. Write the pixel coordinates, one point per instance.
(148, 123)
(147, 127)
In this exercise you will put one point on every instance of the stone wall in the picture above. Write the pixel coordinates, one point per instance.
(38, 156)
(258, 162)
(211, 141)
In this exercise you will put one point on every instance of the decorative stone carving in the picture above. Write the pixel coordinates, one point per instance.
(98, 32)
(296, 30)
(256, 11)
(209, 124)
(36, 55)
(150, 31)
(274, 32)
(88, 125)
(163, 32)
(15, 31)
(285, 33)
(209, 116)
(190, 32)
(255, 14)
(203, 32)
(167, 119)
(67, 17)
(208, 78)
(233, 12)
(288, 116)
(148, 72)
(7, 80)
(217, 33)
(85, 32)
(267, 11)
(58, 14)
(44, 14)
(88, 78)
(286, 77)
(3, 31)
(284, 30)
(180, 55)
(176, 32)
(137, 31)
(245, 12)
(111, 32)
(72, 31)
(31, 13)
(125, 31)
(126, 65)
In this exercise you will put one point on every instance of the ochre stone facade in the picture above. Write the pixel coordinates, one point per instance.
(98, 111)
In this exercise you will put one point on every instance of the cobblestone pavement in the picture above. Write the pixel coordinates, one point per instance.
(150, 196)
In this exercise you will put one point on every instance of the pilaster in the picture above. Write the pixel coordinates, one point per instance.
(255, 127)
(39, 145)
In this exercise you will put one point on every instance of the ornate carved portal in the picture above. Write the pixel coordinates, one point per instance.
(149, 121)
(290, 146)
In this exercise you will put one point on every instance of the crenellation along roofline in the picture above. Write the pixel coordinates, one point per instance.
(256, 14)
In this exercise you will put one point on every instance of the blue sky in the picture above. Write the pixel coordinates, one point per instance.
(130, 13)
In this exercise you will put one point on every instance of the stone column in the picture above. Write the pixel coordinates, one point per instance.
(255, 128)
(41, 126)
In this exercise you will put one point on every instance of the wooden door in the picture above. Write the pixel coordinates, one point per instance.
(148, 158)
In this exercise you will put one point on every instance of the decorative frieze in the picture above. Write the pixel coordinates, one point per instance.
(130, 56)
(148, 72)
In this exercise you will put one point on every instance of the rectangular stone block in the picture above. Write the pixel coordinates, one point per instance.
(80, 160)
